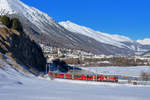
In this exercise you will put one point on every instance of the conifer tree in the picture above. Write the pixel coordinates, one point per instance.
(6, 21)
(16, 25)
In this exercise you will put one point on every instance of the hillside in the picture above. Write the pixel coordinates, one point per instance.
(118, 42)
(18, 46)
(45, 30)
(115, 40)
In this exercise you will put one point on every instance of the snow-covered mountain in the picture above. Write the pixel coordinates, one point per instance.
(45, 30)
(146, 41)
(115, 40)
(32, 14)
(42, 28)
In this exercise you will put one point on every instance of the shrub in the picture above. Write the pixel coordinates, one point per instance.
(73, 61)
(61, 65)
(6, 21)
(13, 23)
(16, 25)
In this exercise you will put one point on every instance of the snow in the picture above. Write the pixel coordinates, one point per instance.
(32, 14)
(129, 71)
(146, 41)
(99, 36)
(42, 21)
(16, 85)
(5, 8)
(2, 26)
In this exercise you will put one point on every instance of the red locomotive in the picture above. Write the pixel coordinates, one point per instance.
(62, 68)
(99, 78)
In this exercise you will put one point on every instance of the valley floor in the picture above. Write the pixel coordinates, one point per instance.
(15, 85)
(116, 70)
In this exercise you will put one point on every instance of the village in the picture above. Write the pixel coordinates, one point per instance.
(82, 58)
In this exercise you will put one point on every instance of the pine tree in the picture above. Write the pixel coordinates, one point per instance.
(16, 25)
(6, 21)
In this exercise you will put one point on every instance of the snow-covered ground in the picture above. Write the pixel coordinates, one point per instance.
(130, 71)
(15, 85)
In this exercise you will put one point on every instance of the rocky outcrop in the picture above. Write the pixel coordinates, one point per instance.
(19, 46)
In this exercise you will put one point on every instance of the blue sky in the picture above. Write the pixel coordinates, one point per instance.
(125, 17)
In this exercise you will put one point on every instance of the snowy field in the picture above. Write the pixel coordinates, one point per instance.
(15, 85)
(130, 71)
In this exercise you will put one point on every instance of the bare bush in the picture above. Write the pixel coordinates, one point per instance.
(51, 77)
(145, 76)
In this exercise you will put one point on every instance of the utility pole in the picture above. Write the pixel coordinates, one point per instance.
(46, 68)
(73, 73)
(96, 73)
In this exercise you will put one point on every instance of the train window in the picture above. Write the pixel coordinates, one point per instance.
(61, 74)
(77, 76)
(89, 76)
(69, 75)
(100, 76)
(106, 77)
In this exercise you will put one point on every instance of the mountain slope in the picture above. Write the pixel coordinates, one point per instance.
(119, 41)
(146, 41)
(21, 48)
(43, 29)
(115, 40)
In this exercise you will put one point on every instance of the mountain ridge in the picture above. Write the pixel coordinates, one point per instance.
(45, 30)
(97, 35)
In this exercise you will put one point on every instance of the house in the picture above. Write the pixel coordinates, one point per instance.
(146, 56)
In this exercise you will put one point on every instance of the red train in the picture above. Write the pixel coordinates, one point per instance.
(99, 78)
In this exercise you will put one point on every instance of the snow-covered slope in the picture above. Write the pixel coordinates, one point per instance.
(146, 41)
(16, 85)
(43, 29)
(115, 70)
(115, 40)
(32, 14)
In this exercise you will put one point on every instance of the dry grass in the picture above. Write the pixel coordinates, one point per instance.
(5, 45)
(134, 83)
(5, 37)
(33, 71)
(2, 65)
(16, 65)
(14, 32)
(5, 33)
(12, 63)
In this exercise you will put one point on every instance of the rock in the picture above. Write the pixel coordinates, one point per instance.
(22, 48)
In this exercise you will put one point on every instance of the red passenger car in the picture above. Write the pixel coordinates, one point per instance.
(99, 78)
